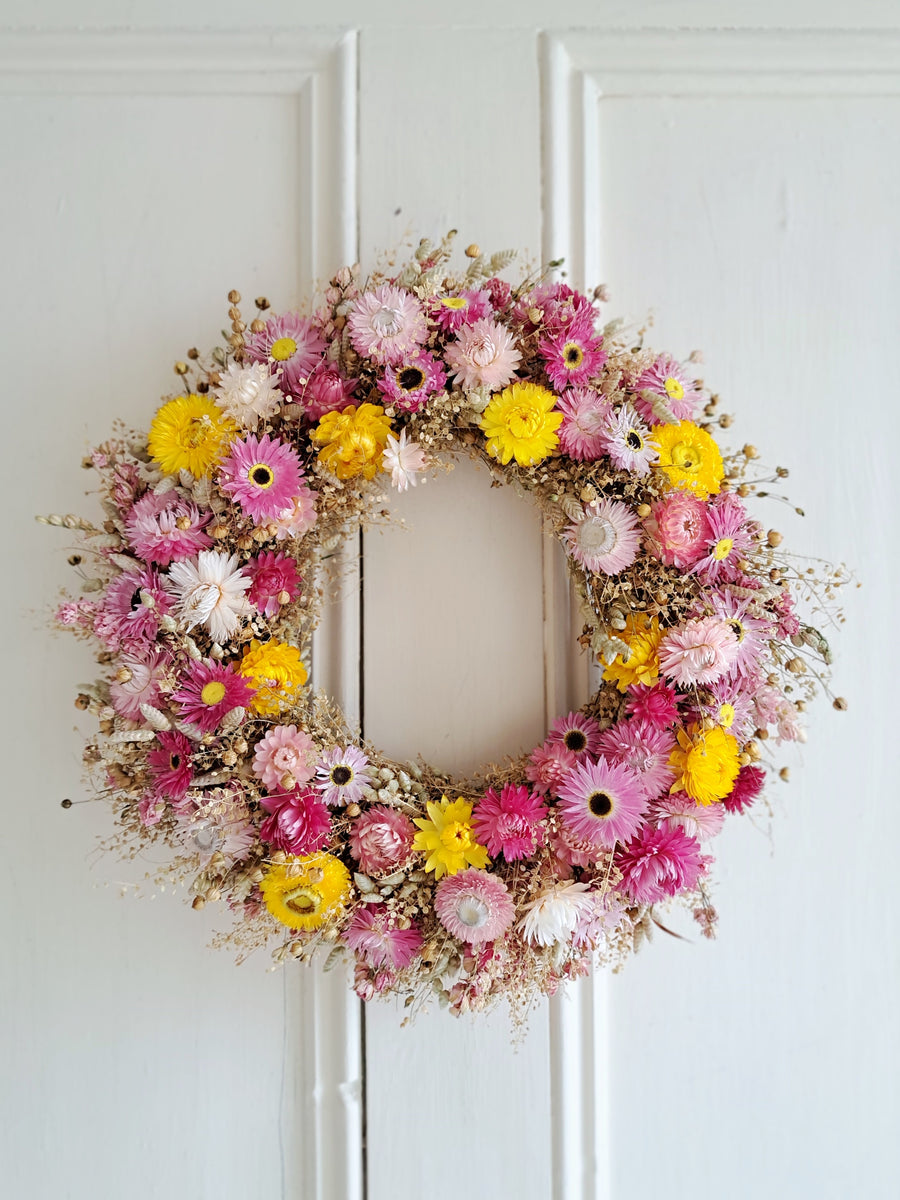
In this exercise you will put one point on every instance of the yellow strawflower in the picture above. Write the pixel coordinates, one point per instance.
(690, 458)
(707, 763)
(353, 441)
(642, 636)
(190, 433)
(519, 423)
(302, 892)
(446, 837)
(276, 671)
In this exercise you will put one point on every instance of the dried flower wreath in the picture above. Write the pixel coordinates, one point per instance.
(212, 576)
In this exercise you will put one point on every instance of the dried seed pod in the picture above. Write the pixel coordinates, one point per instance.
(154, 718)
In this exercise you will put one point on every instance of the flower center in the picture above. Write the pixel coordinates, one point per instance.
(261, 476)
(472, 912)
(196, 431)
(726, 715)
(573, 355)
(411, 379)
(633, 440)
(685, 456)
(283, 349)
(455, 302)
(387, 322)
(305, 901)
(213, 692)
(575, 740)
(174, 761)
(722, 548)
(674, 388)
(206, 837)
(341, 775)
(596, 536)
(524, 422)
(483, 352)
(456, 836)
(600, 804)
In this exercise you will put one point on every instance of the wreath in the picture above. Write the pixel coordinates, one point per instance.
(212, 566)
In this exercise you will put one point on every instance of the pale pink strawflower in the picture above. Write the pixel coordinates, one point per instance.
(679, 811)
(341, 775)
(298, 821)
(645, 750)
(602, 803)
(656, 705)
(209, 691)
(376, 937)
(275, 582)
(585, 416)
(80, 613)
(510, 823)
(782, 607)
(548, 766)
(410, 383)
(218, 824)
(170, 765)
(659, 863)
(285, 757)
(122, 617)
(292, 346)
(666, 386)
(571, 851)
(386, 324)
(147, 669)
(298, 516)
(484, 355)
(474, 906)
(461, 308)
(211, 592)
(699, 651)
(678, 529)
(327, 391)
(574, 357)
(381, 839)
(578, 733)
(165, 528)
(626, 439)
(594, 926)
(262, 475)
(606, 539)
(404, 459)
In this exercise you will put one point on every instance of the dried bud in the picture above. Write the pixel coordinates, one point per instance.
(181, 368)
(261, 303)
(198, 903)
(726, 421)
(839, 703)
(784, 774)
(774, 538)
(750, 451)
(353, 810)
(644, 510)
(473, 250)
(257, 325)
(234, 297)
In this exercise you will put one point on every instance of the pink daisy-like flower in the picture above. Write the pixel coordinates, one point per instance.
(606, 539)
(602, 803)
(292, 345)
(298, 517)
(374, 935)
(411, 382)
(663, 386)
(461, 308)
(299, 821)
(146, 669)
(554, 307)
(163, 529)
(262, 475)
(678, 529)
(386, 324)
(574, 357)
(509, 823)
(585, 414)
(170, 765)
(730, 705)
(274, 582)
(578, 733)
(626, 439)
(474, 906)
(285, 757)
(659, 863)
(699, 651)
(484, 355)
(730, 538)
(679, 811)
(209, 691)
(752, 632)
(327, 391)
(656, 706)
(122, 617)
(342, 775)
(644, 750)
(747, 787)
(548, 766)
(381, 839)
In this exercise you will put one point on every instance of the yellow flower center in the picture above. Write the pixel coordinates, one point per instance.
(633, 440)
(455, 302)
(685, 456)
(261, 476)
(283, 349)
(213, 692)
(722, 549)
(524, 422)
(411, 379)
(737, 628)
(305, 901)
(196, 431)
(456, 836)
(726, 715)
(674, 390)
(573, 355)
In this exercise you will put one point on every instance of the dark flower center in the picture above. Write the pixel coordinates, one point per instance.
(600, 804)
(175, 761)
(411, 379)
(341, 775)
(738, 628)
(575, 740)
(261, 476)
(136, 600)
(574, 355)
(634, 440)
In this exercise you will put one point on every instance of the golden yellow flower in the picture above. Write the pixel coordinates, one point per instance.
(190, 433)
(276, 671)
(353, 441)
(519, 423)
(303, 892)
(446, 837)
(690, 458)
(642, 636)
(707, 763)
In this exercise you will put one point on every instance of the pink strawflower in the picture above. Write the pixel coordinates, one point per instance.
(285, 757)
(679, 811)
(656, 706)
(165, 528)
(571, 851)
(298, 517)
(381, 839)
(374, 935)
(730, 538)
(484, 355)
(602, 803)
(667, 383)
(782, 608)
(659, 863)
(606, 539)
(585, 415)
(578, 733)
(262, 475)
(151, 808)
(292, 346)
(209, 691)
(499, 292)
(170, 765)
(461, 308)
(626, 439)
(548, 766)
(80, 613)
(699, 651)
(274, 582)
(473, 906)
(678, 529)
(410, 383)
(122, 617)
(327, 391)
(593, 926)
(386, 324)
(147, 669)
(299, 821)
(559, 308)
(125, 484)
(645, 750)
(509, 823)
(573, 358)
(747, 787)
(342, 775)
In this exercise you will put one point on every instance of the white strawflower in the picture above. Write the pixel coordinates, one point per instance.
(404, 460)
(248, 394)
(211, 593)
(554, 914)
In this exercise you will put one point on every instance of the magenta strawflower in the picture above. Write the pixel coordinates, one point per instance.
(548, 766)
(327, 391)
(699, 651)
(782, 608)
(298, 821)
(574, 357)
(656, 705)
(499, 292)
(578, 733)
(679, 811)
(461, 308)
(606, 539)
(627, 441)
(298, 517)
(602, 803)
(285, 757)
(484, 355)
(122, 617)
(410, 383)
(510, 823)
(659, 863)
(146, 668)
(381, 839)
(474, 906)
(730, 539)
(678, 529)
(292, 346)
(376, 937)
(262, 475)
(342, 775)
(165, 528)
(209, 691)
(555, 308)
(170, 765)
(747, 787)
(663, 386)
(645, 750)
(275, 582)
(386, 324)
(585, 416)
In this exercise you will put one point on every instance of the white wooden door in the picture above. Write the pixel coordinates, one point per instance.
(742, 184)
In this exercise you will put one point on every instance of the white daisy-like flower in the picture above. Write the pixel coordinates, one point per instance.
(606, 538)
(248, 394)
(404, 459)
(210, 592)
(627, 441)
(554, 914)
